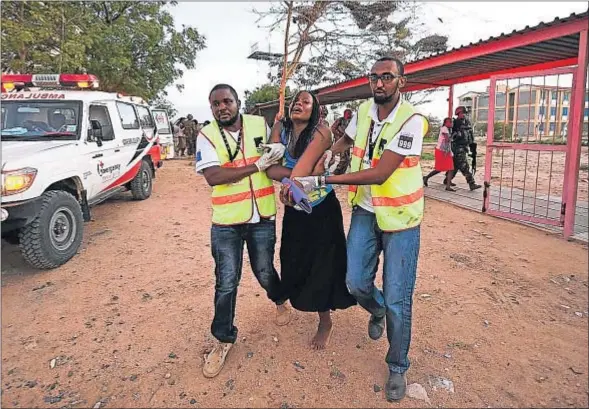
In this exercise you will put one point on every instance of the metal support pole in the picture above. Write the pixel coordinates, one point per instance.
(450, 101)
(574, 143)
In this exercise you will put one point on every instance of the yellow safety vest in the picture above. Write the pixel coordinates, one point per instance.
(234, 203)
(398, 202)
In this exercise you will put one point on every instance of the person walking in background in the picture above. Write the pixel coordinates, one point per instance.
(324, 112)
(244, 212)
(192, 141)
(189, 133)
(443, 156)
(339, 130)
(462, 139)
(181, 147)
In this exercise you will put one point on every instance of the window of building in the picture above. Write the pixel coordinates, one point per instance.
(586, 112)
(500, 99)
(500, 114)
(552, 126)
(553, 111)
(566, 96)
(483, 115)
(484, 101)
(525, 112)
(565, 111)
(524, 97)
(542, 110)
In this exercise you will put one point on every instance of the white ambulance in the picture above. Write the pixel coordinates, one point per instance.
(67, 146)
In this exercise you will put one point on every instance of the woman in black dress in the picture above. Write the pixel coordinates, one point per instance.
(313, 248)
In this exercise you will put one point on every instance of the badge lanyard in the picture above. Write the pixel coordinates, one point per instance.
(238, 147)
(371, 143)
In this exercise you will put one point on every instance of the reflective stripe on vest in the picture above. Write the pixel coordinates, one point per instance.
(234, 203)
(398, 202)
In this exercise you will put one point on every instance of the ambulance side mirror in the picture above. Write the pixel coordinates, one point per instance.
(95, 132)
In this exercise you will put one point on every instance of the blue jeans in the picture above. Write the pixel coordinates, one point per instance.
(227, 248)
(401, 250)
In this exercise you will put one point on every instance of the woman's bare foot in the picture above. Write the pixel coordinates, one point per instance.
(282, 314)
(321, 339)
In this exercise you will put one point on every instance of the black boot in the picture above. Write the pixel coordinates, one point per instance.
(396, 386)
(474, 186)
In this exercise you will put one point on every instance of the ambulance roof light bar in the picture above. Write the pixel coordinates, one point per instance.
(18, 81)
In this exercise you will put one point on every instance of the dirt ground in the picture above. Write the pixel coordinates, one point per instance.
(500, 310)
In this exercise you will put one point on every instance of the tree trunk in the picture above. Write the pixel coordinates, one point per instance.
(282, 93)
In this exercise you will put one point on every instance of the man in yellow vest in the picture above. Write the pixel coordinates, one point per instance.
(229, 155)
(386, 193)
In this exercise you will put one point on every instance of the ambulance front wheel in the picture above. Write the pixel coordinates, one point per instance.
(142, 184)
(55, 235)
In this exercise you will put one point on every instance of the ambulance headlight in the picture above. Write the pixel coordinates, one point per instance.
(17, 181)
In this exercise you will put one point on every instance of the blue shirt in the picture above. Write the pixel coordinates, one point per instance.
(289, 162)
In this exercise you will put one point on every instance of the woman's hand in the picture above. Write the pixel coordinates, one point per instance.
(286, 195)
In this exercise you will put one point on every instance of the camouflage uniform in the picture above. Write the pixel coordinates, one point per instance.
(190, 134)
(462, 138)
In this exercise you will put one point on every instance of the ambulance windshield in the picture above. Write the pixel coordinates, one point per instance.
(46, 120)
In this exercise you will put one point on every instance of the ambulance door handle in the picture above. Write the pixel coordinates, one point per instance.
(98, 155)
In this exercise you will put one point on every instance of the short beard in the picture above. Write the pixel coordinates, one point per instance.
(229, 122)
(382, 100)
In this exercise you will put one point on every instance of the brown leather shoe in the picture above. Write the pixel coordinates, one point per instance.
(215, 360)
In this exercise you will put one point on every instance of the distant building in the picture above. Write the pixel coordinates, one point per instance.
(532, 110)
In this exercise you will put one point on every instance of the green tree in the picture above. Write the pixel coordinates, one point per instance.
(332, 41)
(133, 47)
(263, 93)
(433, 130)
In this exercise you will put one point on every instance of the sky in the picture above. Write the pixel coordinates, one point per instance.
(231, 30)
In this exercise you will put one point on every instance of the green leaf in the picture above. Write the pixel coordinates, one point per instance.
(133, 47)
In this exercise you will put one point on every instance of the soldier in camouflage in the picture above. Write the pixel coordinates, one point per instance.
(189, 133)
(462, 141)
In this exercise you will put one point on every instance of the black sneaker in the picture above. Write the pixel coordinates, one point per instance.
(474, 186)
(396, 387)
(376, 327)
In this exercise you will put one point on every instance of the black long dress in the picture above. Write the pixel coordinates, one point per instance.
(313, 257)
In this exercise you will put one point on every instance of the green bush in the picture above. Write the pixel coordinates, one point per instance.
(427, 156)
(499, 129)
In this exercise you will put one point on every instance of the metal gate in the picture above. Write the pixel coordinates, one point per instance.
(526, 154)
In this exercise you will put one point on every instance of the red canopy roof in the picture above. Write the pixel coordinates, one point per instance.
(544, 46)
